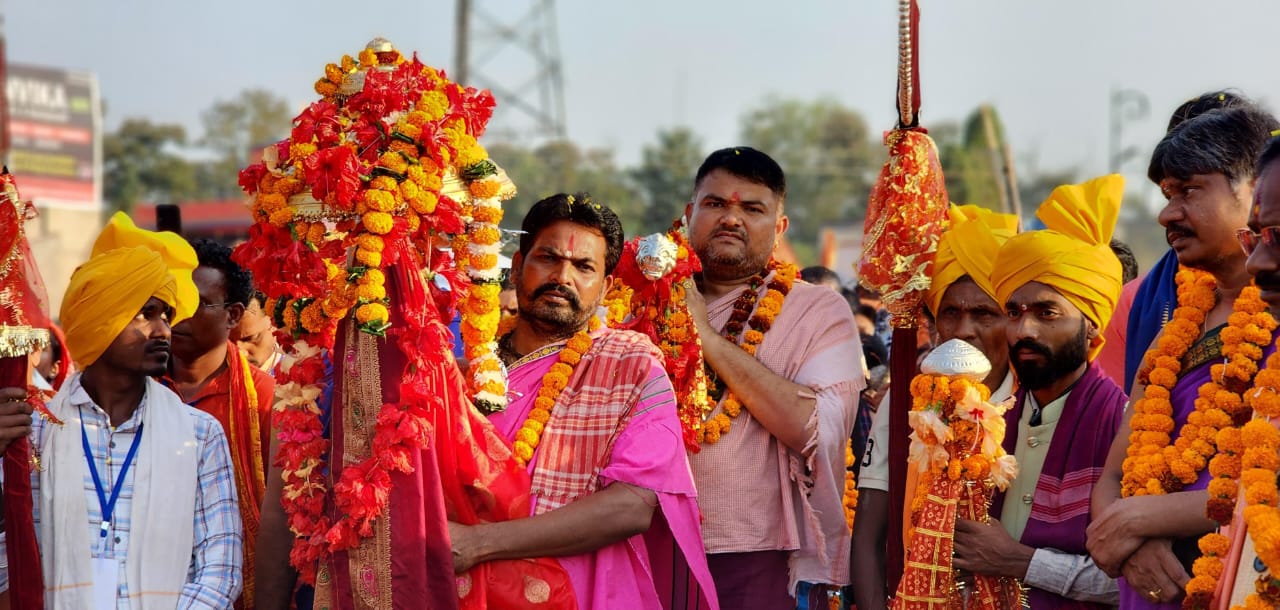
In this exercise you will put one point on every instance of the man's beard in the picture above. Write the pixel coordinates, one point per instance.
(1057, 364)
(732, 264)
(560, 321)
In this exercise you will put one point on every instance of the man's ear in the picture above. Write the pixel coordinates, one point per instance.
(235, 312)
(517, 261)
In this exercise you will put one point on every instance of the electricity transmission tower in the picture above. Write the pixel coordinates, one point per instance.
(518, 60)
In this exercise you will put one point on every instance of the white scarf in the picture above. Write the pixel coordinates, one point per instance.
(162, 508)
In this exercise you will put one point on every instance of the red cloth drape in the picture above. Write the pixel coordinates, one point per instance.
(465, 474)
(26, 586)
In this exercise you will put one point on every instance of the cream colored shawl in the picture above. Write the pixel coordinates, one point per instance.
(162, 508)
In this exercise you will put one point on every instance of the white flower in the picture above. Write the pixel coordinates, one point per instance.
(924, 454)
(294, 396)
(990, 416)
(1003, 471)
(930, 426)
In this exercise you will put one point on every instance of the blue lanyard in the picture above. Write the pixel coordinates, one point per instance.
(108, 506)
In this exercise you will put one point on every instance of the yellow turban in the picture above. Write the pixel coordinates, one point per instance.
(969, 248)
(127, 267)
(178, 255)
(1072, 254)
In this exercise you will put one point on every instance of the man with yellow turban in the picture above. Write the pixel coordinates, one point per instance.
(963, 304)
(127, 519)
(1058, 287)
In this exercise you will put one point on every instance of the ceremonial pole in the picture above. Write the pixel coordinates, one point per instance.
(22, 295)
(906, 215)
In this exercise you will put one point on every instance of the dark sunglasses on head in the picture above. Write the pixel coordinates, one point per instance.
(1249, 239)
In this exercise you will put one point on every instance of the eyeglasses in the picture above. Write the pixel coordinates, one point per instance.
(1249, 239)
(212, 305)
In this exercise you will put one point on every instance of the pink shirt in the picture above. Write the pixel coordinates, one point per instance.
(648, 453)
(1111, 358)
(756, 493)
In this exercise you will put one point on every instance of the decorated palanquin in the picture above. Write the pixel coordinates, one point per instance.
(648, 297)
(23, 329)
(375, 223)
(956, 448)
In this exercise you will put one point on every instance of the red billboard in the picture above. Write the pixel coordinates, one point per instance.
(55, 136)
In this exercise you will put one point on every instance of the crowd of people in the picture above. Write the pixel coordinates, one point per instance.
(1138, 409)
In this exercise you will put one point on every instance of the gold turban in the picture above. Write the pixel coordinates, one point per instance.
(178, 255)
(969, 248)
(1072, 254)
(127, 267)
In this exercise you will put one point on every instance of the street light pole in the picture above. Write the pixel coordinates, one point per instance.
(1125, 105)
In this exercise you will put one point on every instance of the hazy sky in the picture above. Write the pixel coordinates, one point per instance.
(632, 68)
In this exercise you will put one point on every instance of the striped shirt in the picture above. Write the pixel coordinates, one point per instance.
(214, 577)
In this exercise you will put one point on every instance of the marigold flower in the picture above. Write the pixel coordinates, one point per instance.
(487, 214)
(731, 406)
(371, 312)
(367, 258)
(371, 292)
(281, 217)
(433, 105)
(325, 88)
(393, 161)
(424, 203)
(522, 452)
(312, 317)
(378, 222)
(316, 233)
(484, 189)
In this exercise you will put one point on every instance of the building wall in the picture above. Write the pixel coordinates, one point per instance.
(61, 239)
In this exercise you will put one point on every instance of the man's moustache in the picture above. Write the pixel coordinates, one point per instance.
(1030, 345)
(559, 290)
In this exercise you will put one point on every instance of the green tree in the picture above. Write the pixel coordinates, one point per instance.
(560, 166)
(828, 156)
(971, 158)
(665, 177)
(235, 129)
(140, 163)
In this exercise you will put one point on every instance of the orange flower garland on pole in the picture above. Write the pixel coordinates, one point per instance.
(906, 214)
(956, 445)
(648, 296)
(372, 175)
(480, 310)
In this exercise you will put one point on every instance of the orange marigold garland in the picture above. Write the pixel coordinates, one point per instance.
(555, 381)
(1256, 448)
(850, 485)
(759, 319)
(1153, 465)
(648, 296)
(1212, 435)
(480, 312)
(375, 172)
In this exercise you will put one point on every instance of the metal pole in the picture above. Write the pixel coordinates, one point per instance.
(462, 27)
(1126, 105)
